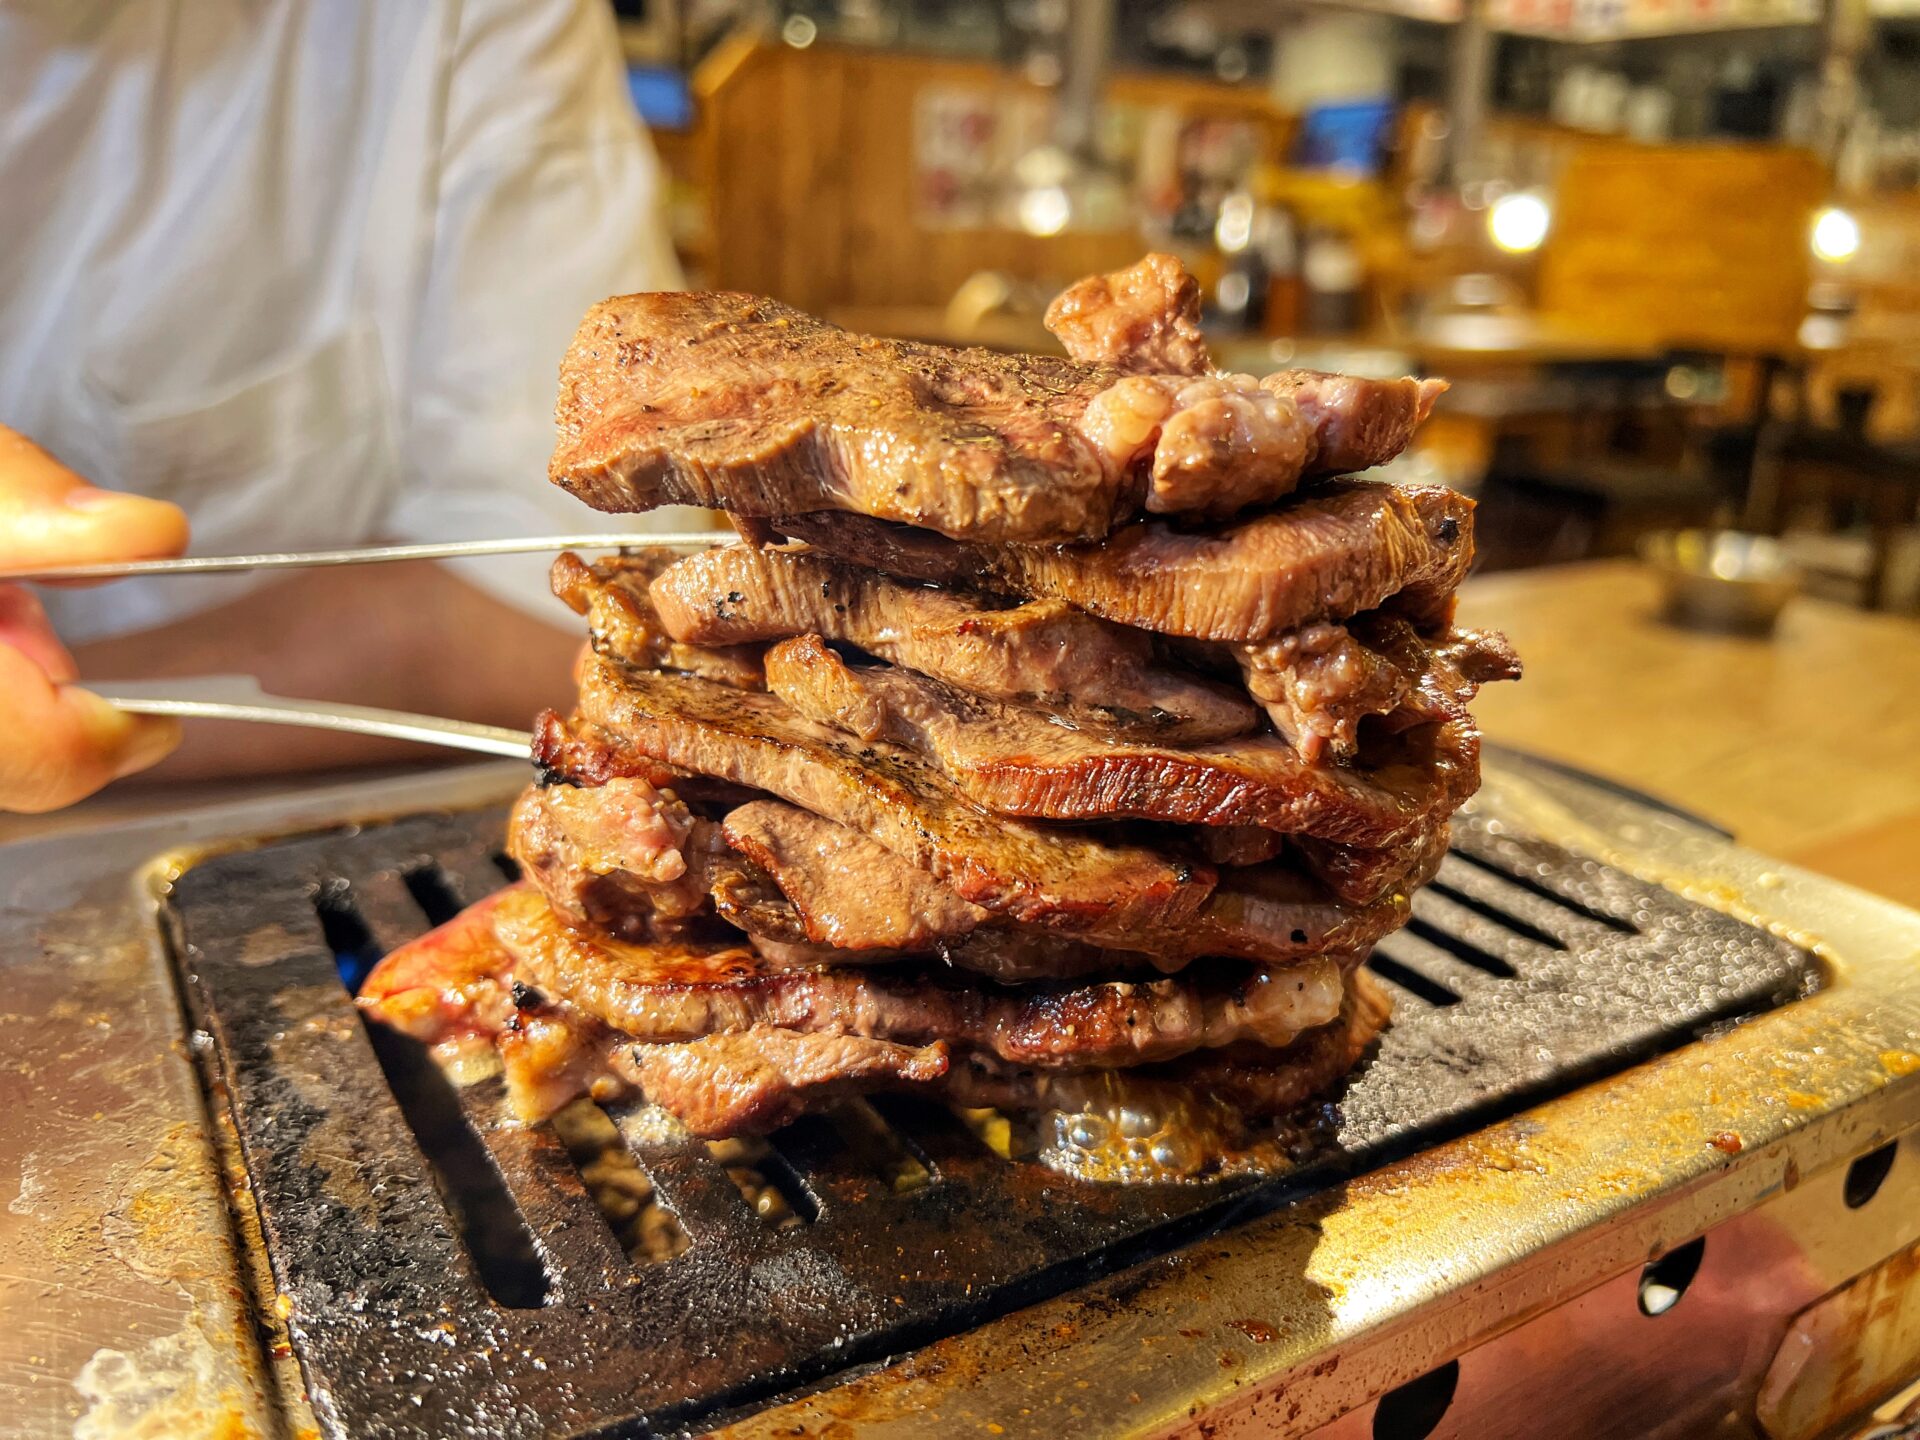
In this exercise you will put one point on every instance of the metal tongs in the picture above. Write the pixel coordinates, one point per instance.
(369, 555)
(239, 697)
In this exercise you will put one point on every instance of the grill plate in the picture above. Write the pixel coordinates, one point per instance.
(397, 1335)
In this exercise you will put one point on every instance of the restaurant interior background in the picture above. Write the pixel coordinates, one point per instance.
(1666, 251)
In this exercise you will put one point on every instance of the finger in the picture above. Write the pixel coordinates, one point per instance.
(59, 744)
(23, 625)
(50, 516)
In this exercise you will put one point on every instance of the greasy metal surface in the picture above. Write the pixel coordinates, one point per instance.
(127, 1311)
(1699, 1366)
(1533, 983)
(1277, 1326)
(1300, 1317)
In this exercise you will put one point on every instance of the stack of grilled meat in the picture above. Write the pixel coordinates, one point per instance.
(1059, 736)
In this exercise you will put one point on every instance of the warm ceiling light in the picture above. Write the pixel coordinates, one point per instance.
(1045, 210)
(1518, 222)
(1836, 235)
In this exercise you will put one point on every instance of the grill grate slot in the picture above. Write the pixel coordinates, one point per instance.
(1461, 948)
(911, 1221)
(489, 1223)
(1410, 980)
(1526, 930)
(355, 951)
(432, 892)
(1554, 897)
(688, 1180)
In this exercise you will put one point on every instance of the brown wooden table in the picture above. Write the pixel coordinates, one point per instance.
(1806, 745)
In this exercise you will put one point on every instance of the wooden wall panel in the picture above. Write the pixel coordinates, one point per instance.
(1696, 244)
(807, 159)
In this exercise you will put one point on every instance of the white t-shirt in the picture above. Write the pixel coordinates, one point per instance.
(307, 268)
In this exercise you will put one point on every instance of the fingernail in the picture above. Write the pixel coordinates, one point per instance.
(92, 497)
(152, 739)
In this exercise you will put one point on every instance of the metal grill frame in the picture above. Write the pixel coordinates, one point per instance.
(1278, 1326)
(1601, 970)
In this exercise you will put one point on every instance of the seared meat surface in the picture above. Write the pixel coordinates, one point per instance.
(666, 992)
(751, 406)
(1028, 872)
(1145, 319)
(1044, 652)
(1318, 683)
(757, 1080)
(622, 625)
(803, 881)
(1341, 548)
(1061, 737)
(1357, 423)
(1017, 761)
(850, 892)
(729, 1082)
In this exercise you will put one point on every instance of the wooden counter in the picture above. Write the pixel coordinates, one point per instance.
(1805, 745)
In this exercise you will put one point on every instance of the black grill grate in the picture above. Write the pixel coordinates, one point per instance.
(1527, 971)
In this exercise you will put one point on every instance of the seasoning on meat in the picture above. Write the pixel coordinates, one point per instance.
(1061, 738)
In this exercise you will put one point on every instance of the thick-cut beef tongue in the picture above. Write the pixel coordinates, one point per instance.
(1357, 422)
(1328, 554)
(824, 894)
(757, 1080)
(622, 625)
(1319, 682)
(1362, 875)
(1017, 761)
(1256, 1084)
(749, 406)
(658, 992)
(455, 987)
(1030, 873)
(1044, 652)
(850, 892)
(1144, 319)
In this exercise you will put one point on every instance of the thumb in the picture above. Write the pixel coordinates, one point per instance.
(59, 744)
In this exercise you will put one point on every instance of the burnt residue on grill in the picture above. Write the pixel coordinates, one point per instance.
(843, 1239)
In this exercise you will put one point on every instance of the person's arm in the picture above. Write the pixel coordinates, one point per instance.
(58, 743)
(407, 637)
(548, 200)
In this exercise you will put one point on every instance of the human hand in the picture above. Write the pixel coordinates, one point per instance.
(58, 743)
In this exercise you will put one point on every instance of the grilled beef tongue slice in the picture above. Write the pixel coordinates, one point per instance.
(1362, 875)
(1318, 683)
(747, 405)
(1146, 319)
(1017, 761)
(621, 623)
(1143, 319)
(1332, 552)
(1044, 652)
(1255, 1083)
(1357, 422)
(815, 892)
(756, 1081)
(1030, 873)
(669, 992)
(450, 984)
(850, 892)
(454, 987)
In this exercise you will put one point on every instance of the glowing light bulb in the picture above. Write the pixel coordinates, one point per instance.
(1518, 222)
(1836, 235)
(1045, 211)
